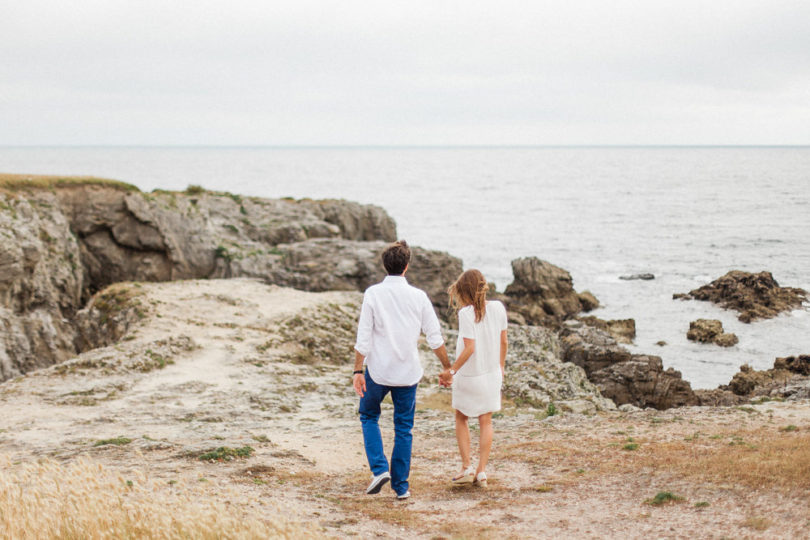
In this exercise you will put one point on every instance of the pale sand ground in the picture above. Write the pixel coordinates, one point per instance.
(558, 477)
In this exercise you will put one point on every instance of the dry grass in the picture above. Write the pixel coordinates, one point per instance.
(763, 458)
(755, 459)
(84, 500)
(13, 183)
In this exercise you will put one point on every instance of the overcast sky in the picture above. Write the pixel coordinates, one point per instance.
(409, 72)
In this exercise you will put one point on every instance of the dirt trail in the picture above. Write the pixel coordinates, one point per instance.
(209, 367)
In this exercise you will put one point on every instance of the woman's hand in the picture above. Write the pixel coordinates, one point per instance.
(445, 378)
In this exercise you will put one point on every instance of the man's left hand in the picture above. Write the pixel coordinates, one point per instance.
(359, 383)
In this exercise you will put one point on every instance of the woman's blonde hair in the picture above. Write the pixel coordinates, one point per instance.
(470, 289)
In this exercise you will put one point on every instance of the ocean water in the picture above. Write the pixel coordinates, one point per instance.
(685, 214)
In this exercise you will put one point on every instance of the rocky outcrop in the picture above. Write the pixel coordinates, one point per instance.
(41, 283)
(62, 242)
(543, 294)
(536, 375)
(754, 296)
(621, 376)
(789, 376)
(356, 221)
(710, 331)
(622, 330)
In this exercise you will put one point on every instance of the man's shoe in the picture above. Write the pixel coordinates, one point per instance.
(404, 496)
(378, 482)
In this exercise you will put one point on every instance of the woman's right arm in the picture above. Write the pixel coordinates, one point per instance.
(504, 348)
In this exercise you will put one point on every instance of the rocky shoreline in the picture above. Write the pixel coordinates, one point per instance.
(67, 242)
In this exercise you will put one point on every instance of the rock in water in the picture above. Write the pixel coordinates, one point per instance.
(710, 331)
(621, 376)
(543, 294)
(754, 296)
(645, 277)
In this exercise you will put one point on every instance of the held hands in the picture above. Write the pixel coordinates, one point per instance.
(445, 378)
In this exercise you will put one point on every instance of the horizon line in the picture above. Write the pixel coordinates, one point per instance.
(403, 146)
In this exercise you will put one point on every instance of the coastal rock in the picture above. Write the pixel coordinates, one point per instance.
(710, 331)
(787, 378)
(718, 397)
(621, 376)
(64, 241)
(795, 364)
(622, 330)
(543, 294)
(334, 264)
(41, 283)
(644, 277)
(642, 381)
(753, 295)
(537, 376)
(356, 221)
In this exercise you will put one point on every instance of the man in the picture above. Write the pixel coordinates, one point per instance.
(393, 316)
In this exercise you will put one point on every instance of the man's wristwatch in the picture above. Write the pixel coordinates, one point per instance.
(357, 372)
(452, 371)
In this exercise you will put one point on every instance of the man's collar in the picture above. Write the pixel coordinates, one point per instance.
(395, 279)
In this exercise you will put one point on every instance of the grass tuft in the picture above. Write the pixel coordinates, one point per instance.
(226, 453)
(663, 497)
(117, 441)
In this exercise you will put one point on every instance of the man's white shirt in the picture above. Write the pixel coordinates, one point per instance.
(393, 316)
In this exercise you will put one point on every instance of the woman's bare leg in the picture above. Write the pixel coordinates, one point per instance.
(485, 442)
(463, 438)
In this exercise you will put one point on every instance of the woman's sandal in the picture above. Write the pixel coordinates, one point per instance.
(466, 477)
(481, 479)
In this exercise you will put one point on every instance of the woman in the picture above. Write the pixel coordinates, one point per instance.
(477, 373)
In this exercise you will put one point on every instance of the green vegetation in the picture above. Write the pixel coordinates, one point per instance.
(701, 504)
(630, 446)
(789, 428)
(29, 182)
(118, 441)
(664, 497)
(194, 189)
(114, 299)
(551, 410)
(223, 253)
(226, 453)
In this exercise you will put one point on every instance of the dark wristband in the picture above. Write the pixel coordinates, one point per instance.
(356, 371)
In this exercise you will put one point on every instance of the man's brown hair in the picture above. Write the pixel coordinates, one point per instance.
(396, 257)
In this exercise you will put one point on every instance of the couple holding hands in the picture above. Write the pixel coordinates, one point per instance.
(393, 316)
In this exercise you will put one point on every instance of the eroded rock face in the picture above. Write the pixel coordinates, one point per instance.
(537, 376)
(786, 379)
(543, 294)
(59, 247)
(753, 295)
(710, 331)
(41, 283)
(622, 330)
(642, 381)
(621, 376)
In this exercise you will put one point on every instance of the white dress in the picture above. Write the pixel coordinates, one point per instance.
(477, 385)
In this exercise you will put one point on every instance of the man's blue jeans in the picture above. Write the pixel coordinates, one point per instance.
(404, 398)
